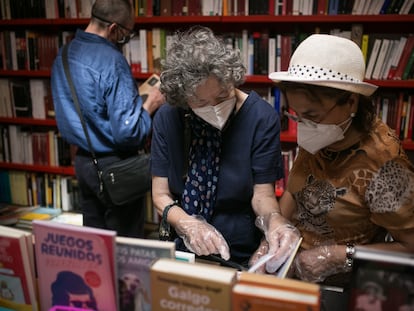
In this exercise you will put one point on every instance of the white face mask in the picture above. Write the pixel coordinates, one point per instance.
(216, 115)
(314, 136)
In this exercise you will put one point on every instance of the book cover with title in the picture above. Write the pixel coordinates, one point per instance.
(76, 266)
(134, 258)
(179, 285)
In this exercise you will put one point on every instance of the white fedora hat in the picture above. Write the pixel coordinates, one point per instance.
(327, 60)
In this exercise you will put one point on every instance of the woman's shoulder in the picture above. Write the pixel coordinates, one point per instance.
(383, 137)
(168, 113)
(256, 102)
(383, 144)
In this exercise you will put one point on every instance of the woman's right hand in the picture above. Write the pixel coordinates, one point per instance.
(202, 238)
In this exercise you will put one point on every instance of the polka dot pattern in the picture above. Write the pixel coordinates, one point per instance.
(204, 164)
(318, 73)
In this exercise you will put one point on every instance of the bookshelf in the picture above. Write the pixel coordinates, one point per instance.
(229, 25)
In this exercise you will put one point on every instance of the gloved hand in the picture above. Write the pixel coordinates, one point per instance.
(281, 236)
(262, 250)
(202, 238)
(316, 264)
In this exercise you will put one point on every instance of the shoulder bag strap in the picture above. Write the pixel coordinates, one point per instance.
(78, 109)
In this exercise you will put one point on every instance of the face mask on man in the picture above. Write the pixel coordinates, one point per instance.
(217, 115)
(314, 136)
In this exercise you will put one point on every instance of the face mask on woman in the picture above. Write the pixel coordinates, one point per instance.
(314, 136)
(217, 115)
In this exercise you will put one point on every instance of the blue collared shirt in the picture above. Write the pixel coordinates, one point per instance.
(108, 96)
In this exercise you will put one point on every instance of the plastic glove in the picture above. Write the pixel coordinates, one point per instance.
(202, 238)
(281, 236)
(316, 264)
(262, 250)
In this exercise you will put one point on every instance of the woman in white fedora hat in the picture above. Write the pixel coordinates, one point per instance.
(351, 182)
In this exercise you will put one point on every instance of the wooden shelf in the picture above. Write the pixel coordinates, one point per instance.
(60, 170)
(28, 121)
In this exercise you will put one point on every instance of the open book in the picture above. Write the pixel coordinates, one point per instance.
(284, 268)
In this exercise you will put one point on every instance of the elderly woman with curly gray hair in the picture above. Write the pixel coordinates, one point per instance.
(216, 156)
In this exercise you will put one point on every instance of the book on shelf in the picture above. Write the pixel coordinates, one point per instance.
(405, 56)
(395, 57)
(17, 274)
(383, 279)
(20, 96)
(372, 56)
(75, 264)
(407, 74)
(190, 286)
(382, 57)
(6, 109)
(264, 292)
(134, 257)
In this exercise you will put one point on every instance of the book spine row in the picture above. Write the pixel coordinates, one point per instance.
(23, 145)
(388, 56)
(48, 190)
(150, 8)
(10, 9)
(397, 110)
(26, 98)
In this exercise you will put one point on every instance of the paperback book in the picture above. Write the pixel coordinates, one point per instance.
(179, 285)
(264, 292)
(134, 258)
(76, 266)
(17, 280)
(383, 280)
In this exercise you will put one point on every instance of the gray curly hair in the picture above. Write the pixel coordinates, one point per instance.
(193, 56)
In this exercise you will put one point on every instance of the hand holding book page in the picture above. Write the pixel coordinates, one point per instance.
(284, 268)
(281, 237)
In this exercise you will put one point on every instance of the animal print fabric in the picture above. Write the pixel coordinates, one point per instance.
(356, 191)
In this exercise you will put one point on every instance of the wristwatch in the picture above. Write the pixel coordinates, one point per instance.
(165, 228)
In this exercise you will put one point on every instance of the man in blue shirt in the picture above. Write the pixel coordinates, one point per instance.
(117, 119)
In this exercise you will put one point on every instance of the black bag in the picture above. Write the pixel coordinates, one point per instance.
(127, 180)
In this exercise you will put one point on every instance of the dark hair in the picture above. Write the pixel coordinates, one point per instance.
(365, 116)
(68, 282)
(116, 11)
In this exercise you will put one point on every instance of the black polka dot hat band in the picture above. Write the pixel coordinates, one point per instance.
(327, 60)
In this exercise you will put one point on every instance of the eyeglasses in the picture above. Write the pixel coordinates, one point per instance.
(82, 304)
(124, 39)
(308, 122)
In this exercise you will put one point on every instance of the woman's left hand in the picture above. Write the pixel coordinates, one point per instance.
(281, 236)
(316, 264)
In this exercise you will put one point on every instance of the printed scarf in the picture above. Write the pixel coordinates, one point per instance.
(200, 187)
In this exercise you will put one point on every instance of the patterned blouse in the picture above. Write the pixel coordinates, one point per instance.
(356, 191)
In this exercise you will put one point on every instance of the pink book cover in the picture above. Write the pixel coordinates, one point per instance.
(17, 285)
(76, 266)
